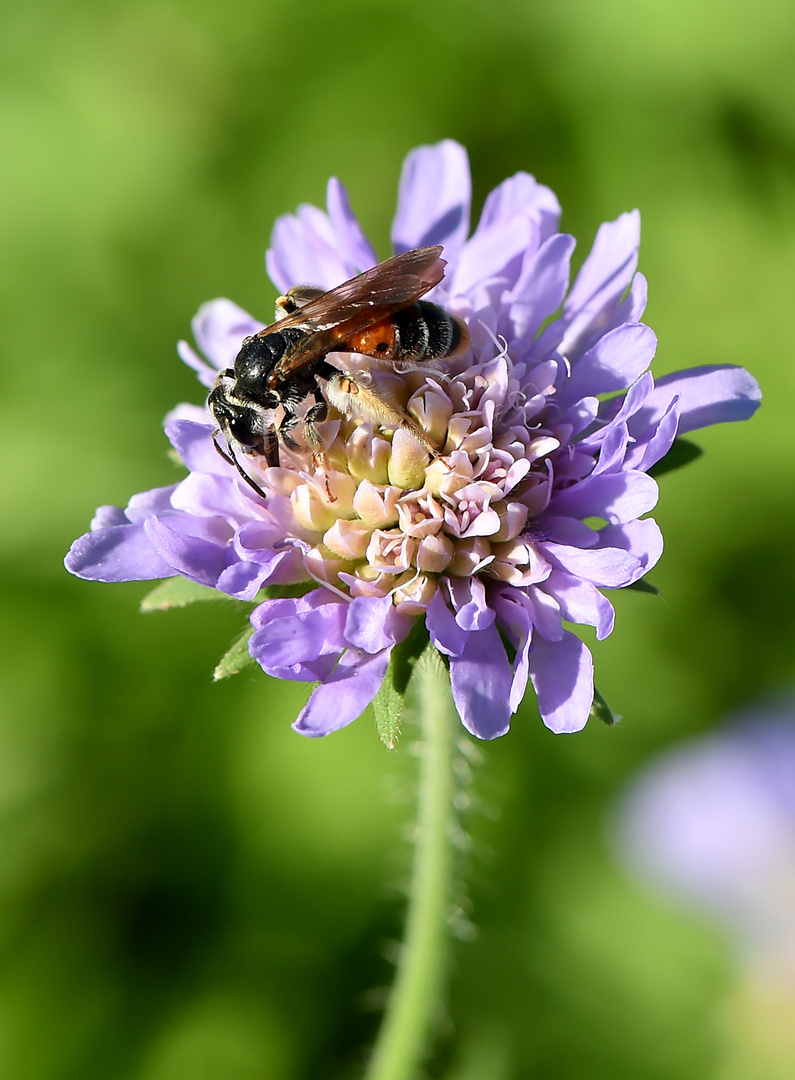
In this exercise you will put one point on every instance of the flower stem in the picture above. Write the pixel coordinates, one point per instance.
(414, 998)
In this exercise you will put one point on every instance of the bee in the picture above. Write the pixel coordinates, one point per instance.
(378, 314)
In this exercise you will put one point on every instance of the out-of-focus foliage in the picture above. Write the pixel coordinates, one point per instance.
(187, 888)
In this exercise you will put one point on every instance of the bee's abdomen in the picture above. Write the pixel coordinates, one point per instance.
(420, 332)
(425, 331)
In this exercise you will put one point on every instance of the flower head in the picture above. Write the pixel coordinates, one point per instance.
(533, 506)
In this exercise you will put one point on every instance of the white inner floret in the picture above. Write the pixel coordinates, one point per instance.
(379, 514)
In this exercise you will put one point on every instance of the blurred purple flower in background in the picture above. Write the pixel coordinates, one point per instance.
(547, 425)
(713, 822)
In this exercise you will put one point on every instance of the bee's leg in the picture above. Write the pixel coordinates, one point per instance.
(288, 423)
(270, 447)
(316, 415)
(351, 398)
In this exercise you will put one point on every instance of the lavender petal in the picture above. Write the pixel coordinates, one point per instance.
(481, 683)
(301, 255)
(219, 328)
(713, 394)
(522, 193)
(607, 567)
(617, 359)
(562, 676)
(353, 244)
(195, 557)
(433, 199)
(118, 553)
(445, 633)
(372, 624)
(194, 444)
(591, 307)
(289, 633)
(580, 602)
(493, 254)
(345, 694)
(616, 497)
(540, 290)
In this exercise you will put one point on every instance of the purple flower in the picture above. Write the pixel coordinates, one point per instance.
(547, 426)
(713, 821)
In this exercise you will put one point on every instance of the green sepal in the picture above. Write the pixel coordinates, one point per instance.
(682, 452)
(178, 592)
(390, 700)
(283, 592)
(236, 658)
(642, 585)
(600, 710)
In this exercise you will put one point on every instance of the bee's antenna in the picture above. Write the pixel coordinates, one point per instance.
(229, 457)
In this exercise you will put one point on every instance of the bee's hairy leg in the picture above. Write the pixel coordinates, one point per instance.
(316, 415)
(351, 398)
(288, 423)
(270, 447)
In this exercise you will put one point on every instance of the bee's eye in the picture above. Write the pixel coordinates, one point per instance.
(244, 429)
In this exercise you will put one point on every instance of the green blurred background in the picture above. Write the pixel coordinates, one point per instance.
(188, 888)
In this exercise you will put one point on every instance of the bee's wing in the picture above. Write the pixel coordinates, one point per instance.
(356, 304)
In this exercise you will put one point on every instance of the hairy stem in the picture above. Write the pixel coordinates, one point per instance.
(414, 998)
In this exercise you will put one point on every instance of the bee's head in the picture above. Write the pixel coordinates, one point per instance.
(240, 422)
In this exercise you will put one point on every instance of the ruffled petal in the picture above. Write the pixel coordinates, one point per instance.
(194, 444)
(302, 252)
(562, 676)
(545, 613)
(433, 199)
(592, 305)
(657, 442)
(514, 613)
(146, 503)
(616, 497)
(489, 256)
(353, 245)
(210, 496)
(243, 580)
(312, 671)
(614, 363)
(632, 307)
(200, 559)
(345, 694)
(190, 357)
(294, 638)
(219, 327)
(580, 602)
(118, 553)
(713, 394)
(642, 540)
(613, 450)
(620, 409)
(607, 567)
(106, 517)
(445, 633)
(481, 683)
(372, 624)
(540, 290)
(522, 193)
(472, 611)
